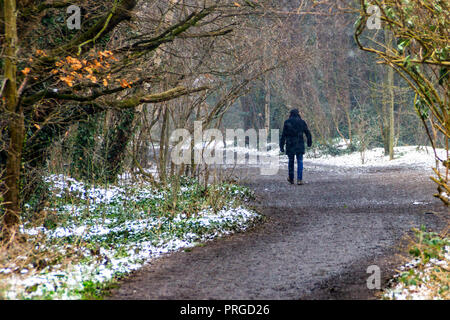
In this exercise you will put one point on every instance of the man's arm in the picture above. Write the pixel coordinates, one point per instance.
(308, 136)
(283, 138)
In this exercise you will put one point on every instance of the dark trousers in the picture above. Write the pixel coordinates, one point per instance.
(299, 157)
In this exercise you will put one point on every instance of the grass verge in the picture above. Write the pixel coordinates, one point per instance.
(89, 236)
(427, 276)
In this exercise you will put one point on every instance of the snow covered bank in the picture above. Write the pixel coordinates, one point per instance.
(426, 277)
(116, 230)
(410, 156)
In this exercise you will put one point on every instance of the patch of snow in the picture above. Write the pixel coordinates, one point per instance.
(401, 291)
(104, 264)
(409, 156)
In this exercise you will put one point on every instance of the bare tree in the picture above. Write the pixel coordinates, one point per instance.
(421, 58)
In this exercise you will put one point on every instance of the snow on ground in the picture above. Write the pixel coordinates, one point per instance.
(126, 256)
(413, 282)
(422, 283)
(115, 241)
(410, 156)
(422, 158)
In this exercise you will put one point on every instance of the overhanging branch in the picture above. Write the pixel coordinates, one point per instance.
(155, 97)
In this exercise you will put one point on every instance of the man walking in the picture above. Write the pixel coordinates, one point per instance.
(293, 130)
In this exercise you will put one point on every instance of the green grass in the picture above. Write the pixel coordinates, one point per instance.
(429, 275)
(115, 234)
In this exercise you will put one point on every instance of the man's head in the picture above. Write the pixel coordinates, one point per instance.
(294, 113)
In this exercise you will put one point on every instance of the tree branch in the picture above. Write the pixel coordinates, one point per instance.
(170, 34)
(104, 25)
(155, 97)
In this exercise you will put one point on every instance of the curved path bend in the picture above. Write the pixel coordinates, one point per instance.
(316, 242)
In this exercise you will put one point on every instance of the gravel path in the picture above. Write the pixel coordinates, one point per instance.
(316, 242)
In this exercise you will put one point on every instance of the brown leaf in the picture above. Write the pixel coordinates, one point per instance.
(26, 71)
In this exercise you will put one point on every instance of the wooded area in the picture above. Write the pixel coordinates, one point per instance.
(97, 102)
(100, 98)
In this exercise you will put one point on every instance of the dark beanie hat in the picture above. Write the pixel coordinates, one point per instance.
(294, 112)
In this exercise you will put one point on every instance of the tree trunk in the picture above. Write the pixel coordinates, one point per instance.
(15, 125)
(391, 113)
(390, 132)
(116, 142)
(163, 145)
(267, 105)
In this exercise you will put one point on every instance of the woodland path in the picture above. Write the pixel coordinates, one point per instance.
(316, 242)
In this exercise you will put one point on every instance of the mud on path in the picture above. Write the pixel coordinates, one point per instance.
(316, 242)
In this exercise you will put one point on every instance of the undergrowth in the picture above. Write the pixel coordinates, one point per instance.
(88, 235)
(427, 276)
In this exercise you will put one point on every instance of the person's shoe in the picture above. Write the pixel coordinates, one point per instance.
(290, 181)
(300, 182)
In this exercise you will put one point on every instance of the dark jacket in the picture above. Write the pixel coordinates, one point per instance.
(292, 135)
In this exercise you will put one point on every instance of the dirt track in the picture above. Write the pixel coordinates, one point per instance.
(316, 243)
